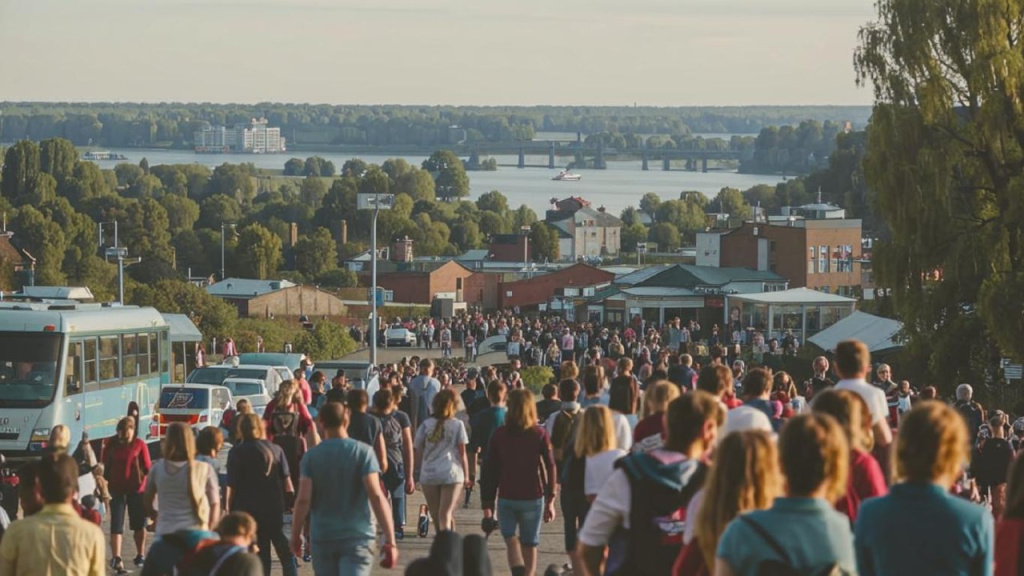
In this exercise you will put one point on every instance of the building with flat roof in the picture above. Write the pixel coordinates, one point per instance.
(252, 137)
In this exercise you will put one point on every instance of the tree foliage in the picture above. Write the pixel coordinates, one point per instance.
(945, 166)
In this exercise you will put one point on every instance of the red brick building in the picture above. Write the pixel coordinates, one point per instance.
(531, 292)
(419, 282)
(819, 254)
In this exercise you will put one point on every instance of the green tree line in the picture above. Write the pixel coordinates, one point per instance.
(173, 124)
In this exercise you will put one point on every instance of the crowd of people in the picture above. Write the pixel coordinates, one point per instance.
(652, 463)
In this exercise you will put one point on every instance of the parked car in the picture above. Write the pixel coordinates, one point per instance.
(400, 337)
(198, 405)
(292, 361)
(496, 343)
(252, 389)
(360, 375)
(217, 373)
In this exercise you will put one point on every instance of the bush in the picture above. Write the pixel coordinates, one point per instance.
(536, 377)
(326, 341)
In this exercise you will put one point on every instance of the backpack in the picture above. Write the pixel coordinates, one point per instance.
(656, 521)
(561, 433)
(783, 565)
(391, 429)
(206, 558)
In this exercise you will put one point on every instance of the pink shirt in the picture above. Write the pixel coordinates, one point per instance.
(866, 481)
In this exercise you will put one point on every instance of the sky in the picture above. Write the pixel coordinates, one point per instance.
(459, 52)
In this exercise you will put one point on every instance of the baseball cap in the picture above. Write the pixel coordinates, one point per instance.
(745, 418)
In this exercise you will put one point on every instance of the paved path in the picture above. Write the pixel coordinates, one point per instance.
(467, 519)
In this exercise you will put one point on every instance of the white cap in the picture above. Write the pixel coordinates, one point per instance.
(745, 418)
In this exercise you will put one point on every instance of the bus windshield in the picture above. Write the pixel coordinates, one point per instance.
(28, 368)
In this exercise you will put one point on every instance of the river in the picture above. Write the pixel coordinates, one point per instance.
(621, 184)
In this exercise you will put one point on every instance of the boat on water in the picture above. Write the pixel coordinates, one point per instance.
(566, 176)
(103, 155)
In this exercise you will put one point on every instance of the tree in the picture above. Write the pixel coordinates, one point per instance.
(494, 201)
(666, 236)
(182, 212)
(523, 216)
(232, 180)
(20, 168)
(41, 189)
(312, 191)
(294, 167)
(730, 201)
(450, 179)
(339, 278)
(144, 164)
(258, 253)
(127, 174)
(944, 168)
(630, 235)
(316, 253)
(57, 157)
(416, 183)
(543, 242)
(44, 239)
(649, 204)
(214, 317)
(217, 210)
(353, 167)
(325, 340)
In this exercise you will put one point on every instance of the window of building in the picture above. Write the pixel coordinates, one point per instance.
(836, 251)
(822, 259)
(811, 258)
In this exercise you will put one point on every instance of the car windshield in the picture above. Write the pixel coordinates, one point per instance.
(254, 373)
(184, 398)
(244, 388)
(28, 368)
(208, 375)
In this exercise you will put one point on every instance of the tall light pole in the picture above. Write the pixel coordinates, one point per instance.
(525, 232)
(116, 253)
(374, 202)
(223, 225)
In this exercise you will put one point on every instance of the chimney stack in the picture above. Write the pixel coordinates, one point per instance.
(343, 239)
(403, 250)
(293, 234)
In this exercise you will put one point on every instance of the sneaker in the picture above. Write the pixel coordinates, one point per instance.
(139, 560)
(117, 565)
(399, 533)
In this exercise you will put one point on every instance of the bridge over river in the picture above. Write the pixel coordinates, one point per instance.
(556, 149)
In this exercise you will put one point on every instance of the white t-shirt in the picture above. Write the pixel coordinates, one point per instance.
(170, 482)
(623, 432)
(873, 396)
(441, 462)
(599, 468)
(614, 503)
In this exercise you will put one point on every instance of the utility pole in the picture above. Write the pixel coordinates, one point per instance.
(374, 202)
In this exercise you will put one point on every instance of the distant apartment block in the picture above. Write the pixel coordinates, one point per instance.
(252, 137)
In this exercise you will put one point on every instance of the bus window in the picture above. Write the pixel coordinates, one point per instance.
(129, 362)
(165, 352)
(110, 361)
(143, 355)
(154, 354)
(91, 362)
(73, 369)
(29, 366)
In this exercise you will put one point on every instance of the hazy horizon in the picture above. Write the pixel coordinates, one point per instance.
(661, 53)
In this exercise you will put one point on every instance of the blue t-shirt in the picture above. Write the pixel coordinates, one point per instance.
(340, 506)
(922, 529)
(812, 533)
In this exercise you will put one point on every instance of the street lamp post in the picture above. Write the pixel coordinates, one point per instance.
(374, 202)
(223, 225)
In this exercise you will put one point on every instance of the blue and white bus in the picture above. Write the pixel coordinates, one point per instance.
(81, 365)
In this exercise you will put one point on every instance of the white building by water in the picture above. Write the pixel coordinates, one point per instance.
(252, 137)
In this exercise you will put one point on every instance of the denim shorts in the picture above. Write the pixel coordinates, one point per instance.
(347, 557)
(135, 508)
(524, 514)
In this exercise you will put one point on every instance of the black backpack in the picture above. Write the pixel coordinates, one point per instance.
(656, 521)
(783, 566)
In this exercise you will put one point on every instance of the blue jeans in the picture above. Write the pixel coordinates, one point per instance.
(265, 537)
(524, 514)
(348, 557)
(574, 511)
(398, 506)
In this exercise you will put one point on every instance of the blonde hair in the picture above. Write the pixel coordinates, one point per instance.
(815, 454)
(596, 433)
(250, 427)
(745, 477)
(179, 444)
(658, 396)
(569, 370)
(848, 409)
(60, 437)
(286, 392)
(932, 443)
(522, 412)
(625, 365)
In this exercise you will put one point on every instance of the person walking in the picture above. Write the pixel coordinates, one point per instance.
(801, 531)
(339, 485)
(54, 540)
(364, 427)
(1010, 528)
(397, 432)
(853, 364)
(189, 495)
(441, 462)
(520, 474)
(126, 464)
(422, 390)
(258, 480)
(919, 527)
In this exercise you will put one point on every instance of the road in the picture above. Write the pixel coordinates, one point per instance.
(467, 519)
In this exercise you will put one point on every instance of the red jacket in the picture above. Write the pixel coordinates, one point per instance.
(126, 466)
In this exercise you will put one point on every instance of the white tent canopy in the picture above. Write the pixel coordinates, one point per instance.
(879, 334)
